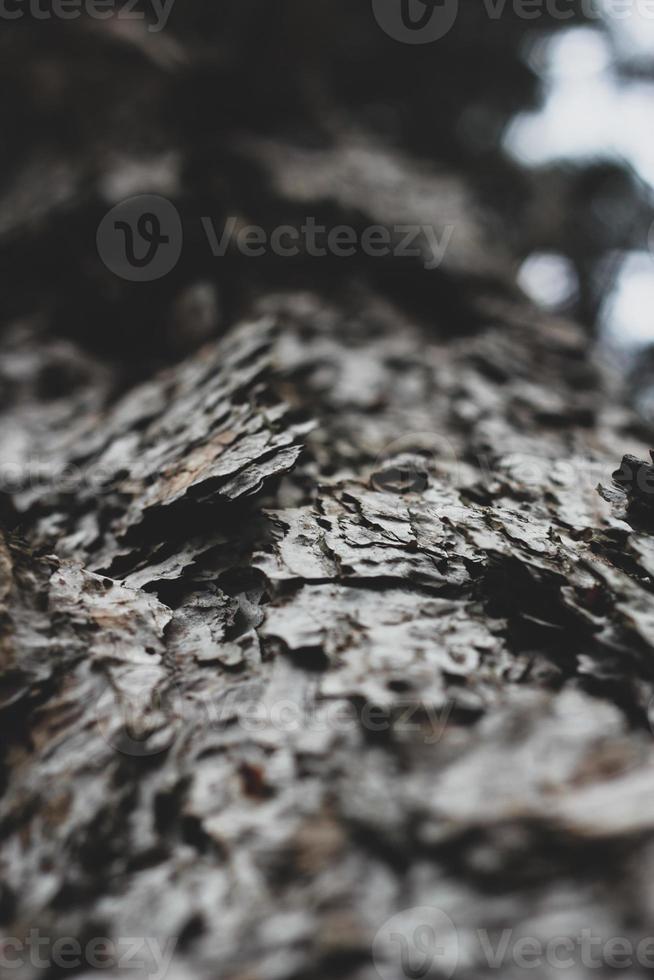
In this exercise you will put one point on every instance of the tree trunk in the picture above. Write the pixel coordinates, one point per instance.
(321, 653)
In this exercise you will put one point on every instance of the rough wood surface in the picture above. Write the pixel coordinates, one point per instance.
(324, 619)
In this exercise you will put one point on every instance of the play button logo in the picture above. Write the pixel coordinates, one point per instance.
(416, 21)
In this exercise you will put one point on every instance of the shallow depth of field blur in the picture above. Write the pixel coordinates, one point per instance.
(546, 119)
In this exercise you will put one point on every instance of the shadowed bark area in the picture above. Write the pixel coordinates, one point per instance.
(311, 610)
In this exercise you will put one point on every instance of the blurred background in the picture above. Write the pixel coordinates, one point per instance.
(540, 125)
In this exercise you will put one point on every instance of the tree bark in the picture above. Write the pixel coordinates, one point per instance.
(312, 613)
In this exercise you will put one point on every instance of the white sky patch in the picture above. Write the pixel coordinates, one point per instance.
(633, 30)
(549, 279)
(588, 112)
(627, 315)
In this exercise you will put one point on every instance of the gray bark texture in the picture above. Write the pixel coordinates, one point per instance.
(311, 611)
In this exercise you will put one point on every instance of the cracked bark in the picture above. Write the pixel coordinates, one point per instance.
(325, 618)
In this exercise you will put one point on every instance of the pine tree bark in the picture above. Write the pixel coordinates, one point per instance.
(312, 612)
